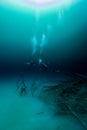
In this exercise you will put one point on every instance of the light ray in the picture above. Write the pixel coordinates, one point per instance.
(43, 42)
(34, 41)
(39, 4)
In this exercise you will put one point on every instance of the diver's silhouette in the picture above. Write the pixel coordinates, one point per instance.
(23, 90)
(21, 85)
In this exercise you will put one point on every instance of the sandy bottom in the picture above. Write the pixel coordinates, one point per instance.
(27, 113)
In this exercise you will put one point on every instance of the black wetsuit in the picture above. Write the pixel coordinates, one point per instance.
(23, 91)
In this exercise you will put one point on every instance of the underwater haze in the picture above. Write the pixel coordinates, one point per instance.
(63, 32)
(43, 65)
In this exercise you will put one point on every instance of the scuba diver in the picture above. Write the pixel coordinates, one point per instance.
(38, 45)
(41, 65)
(21, 85)
(23, 90)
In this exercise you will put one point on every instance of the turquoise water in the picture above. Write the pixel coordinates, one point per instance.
(42, 46)
(64, 33)
(30, 113)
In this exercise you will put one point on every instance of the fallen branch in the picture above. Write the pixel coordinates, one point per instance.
(77, 117)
